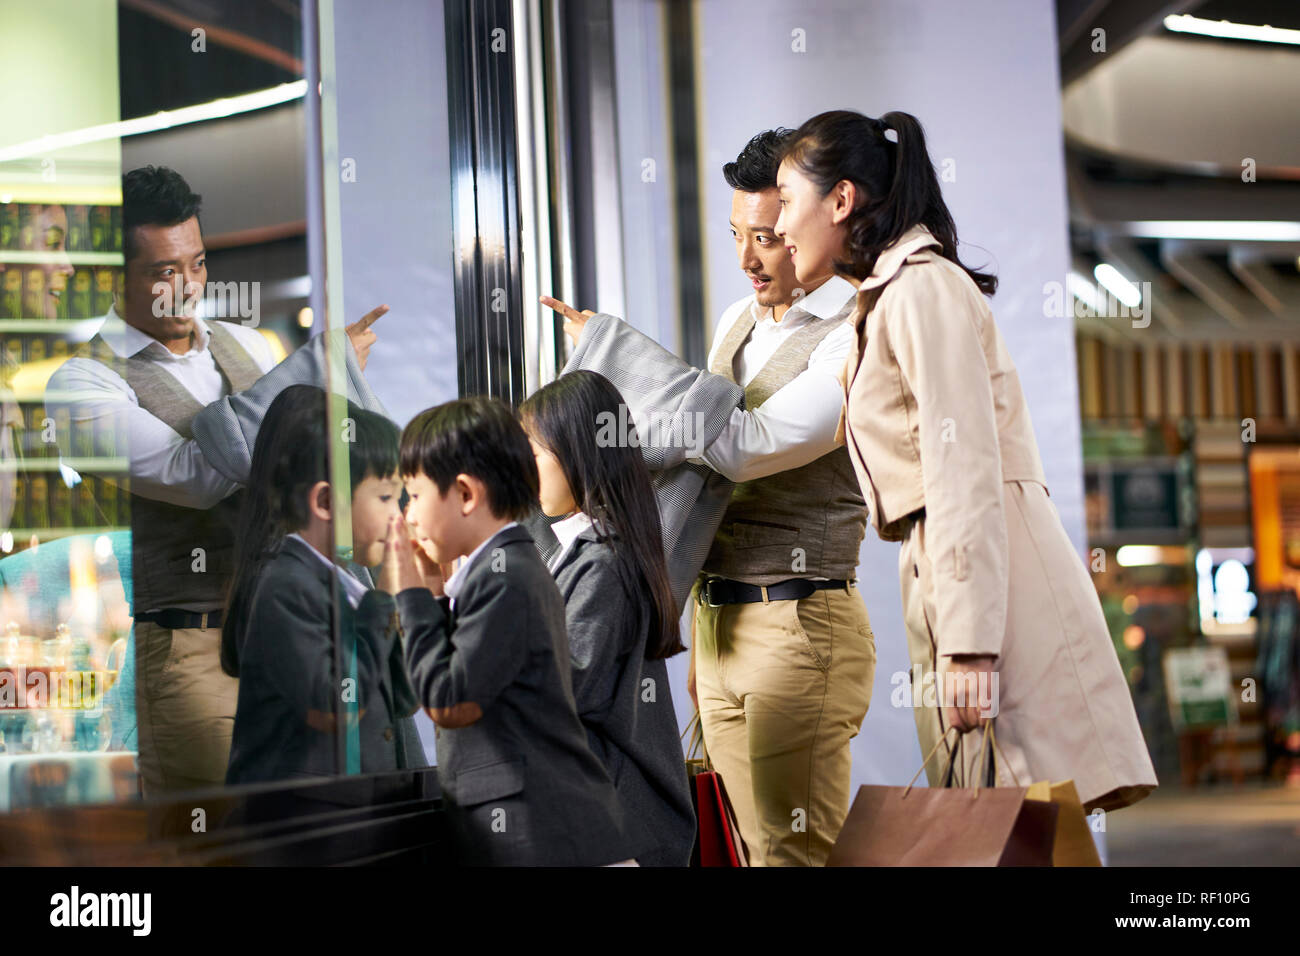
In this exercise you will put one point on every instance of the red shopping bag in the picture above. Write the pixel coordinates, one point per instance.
(717, 841)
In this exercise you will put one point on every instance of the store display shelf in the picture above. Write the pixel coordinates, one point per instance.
(88, 774)
(38, 258)
(52, 326)
(1117, 539)
(49, 534)
(90, 465)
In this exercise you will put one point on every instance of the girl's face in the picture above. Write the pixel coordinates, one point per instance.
(374, 500)
(811, 226)
(556, 496)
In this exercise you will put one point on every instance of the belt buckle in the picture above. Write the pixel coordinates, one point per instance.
(706, 592)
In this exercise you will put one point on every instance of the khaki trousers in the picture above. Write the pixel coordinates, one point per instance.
(185, 707)
(783, 687)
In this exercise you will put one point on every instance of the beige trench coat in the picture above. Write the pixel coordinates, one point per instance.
(935, 419)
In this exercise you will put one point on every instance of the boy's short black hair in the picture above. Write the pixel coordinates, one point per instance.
(755, 168)
(154, 196)
(475, 436)
(372, 452)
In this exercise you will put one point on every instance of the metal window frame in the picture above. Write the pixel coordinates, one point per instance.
(486, 252)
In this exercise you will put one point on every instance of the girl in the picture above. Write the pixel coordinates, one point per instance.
(621, 617)
(278, 635)
(994, 596)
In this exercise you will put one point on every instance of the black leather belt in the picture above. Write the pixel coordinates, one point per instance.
(174, 619)
(715, 592)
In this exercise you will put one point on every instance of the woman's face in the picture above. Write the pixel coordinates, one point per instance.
(556, 496)
(811, 226)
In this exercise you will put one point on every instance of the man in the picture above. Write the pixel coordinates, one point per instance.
(783, 656)
(134, 390)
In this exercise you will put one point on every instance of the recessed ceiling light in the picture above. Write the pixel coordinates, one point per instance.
(1227, 30)
(1117, 285)
(1213, 229)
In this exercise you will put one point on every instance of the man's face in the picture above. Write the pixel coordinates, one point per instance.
(374, 501)
(436, 520)
(165, 279)
(761, 254)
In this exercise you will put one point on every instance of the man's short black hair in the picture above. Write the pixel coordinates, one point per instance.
(755, 168)
(475, 436)
(154, 196)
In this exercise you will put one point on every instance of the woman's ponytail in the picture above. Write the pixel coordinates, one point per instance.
(894, 178)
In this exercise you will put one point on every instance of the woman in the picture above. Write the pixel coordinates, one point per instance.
(994, 595)
(618, 606)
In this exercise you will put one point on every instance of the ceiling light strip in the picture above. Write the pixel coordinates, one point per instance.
(216, 109)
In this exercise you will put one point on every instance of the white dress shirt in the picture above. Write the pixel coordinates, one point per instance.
(353, 589)
(163, 465)
(797, 424)
(451, 587)
(566, 532)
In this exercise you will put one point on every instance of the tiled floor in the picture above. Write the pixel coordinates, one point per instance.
(1209, 826)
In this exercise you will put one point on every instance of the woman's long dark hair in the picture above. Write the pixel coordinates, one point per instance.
(289, 457)
(895, 181)
(611, 484)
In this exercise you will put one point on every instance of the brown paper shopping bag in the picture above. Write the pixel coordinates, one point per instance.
(1073, 845)
(947, 826)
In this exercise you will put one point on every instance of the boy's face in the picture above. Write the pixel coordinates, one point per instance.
(436, 520)
(373, 502)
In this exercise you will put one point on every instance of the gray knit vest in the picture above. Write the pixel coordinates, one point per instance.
(167, 570)
(807, 522)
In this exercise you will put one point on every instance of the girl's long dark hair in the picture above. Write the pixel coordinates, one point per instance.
(289, 457)
(895, 181)
(611, 484)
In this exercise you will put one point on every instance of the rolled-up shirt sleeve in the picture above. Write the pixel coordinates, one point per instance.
(162, 465)
(795, 426)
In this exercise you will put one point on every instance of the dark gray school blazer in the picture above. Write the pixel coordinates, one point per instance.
(520, 785)
(288, 685)
(624, 701)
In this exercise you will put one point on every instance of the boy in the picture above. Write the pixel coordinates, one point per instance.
(490, 659)
(279, 634)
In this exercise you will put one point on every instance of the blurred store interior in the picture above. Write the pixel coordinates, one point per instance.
(1183, 165)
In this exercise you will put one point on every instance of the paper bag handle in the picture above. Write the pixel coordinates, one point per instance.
(990, 742)
(926, 760)
(695, 727)
(989, 738)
